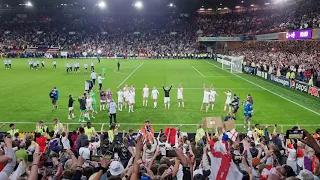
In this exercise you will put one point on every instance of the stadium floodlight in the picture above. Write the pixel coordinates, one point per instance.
(171, 4)
(102, 4)
(138, 5)
(99, 51)
(29, 4)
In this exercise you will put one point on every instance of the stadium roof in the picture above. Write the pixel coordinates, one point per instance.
(185, 6)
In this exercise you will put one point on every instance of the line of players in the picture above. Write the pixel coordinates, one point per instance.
(7, 64)
(35, 64)
(76, 67)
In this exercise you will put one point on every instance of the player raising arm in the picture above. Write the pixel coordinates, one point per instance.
(180, 95)
(145, 95)
(206, 96)
(155, 94)
(167, 96)
(213, 95)
(228, 101)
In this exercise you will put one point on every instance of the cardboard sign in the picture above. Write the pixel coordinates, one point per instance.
(211, 122)
(229, 125)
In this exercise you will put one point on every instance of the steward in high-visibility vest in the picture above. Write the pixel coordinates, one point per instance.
(89, 131)
(12, 130)
(41, 128)
(200, 133)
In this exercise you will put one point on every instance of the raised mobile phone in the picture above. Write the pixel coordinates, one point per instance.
(171, 153)
(294, 134)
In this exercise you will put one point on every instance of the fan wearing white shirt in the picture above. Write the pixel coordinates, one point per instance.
(120, 99)
(93, 77)
(100, 78)
(212, 98)
(85, 68)
(180, 95)
(228, 101)
(64, 140)
(206, 95)
(145, 95)
(84, 152)
(92, 66)
(155, 94)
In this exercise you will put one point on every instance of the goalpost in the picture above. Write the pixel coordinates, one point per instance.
(231, 63)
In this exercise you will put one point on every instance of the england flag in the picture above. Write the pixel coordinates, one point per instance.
(222, 166)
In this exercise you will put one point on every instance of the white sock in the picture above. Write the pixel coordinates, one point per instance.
(73, 115)
(229, 109)
(101, 107)
(165, 105)
(154, 104)
(125, 105)
(182, 104)
(146, 102)
(142, 102)
(120, 107)
(207, 107)
(212, 106)
(168, 105)
(178, 104)
(225, 107)
(68, 116)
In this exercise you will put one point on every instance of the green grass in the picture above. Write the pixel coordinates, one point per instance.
(25, 101)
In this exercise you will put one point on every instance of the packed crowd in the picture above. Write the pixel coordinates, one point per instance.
(281, 57)
(169, 154)
(290, 15)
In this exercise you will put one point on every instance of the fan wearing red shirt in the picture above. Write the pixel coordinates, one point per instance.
(41, 141)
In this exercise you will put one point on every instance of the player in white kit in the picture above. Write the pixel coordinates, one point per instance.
(85, 68)
(228, 101)
(131, 100)
(126, 96)
(120, 99)
(155, 94)
(89, 107)
(145, 95)
(213, 95)
(134, 94)
(206, 96)
(180, 95)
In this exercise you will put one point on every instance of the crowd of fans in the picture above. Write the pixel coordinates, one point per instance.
(169, 154)
(281, 57)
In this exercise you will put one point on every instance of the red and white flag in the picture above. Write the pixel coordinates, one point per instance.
(232, 135)
(222, 166)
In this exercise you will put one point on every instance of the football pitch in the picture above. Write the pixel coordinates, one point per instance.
(25, 94)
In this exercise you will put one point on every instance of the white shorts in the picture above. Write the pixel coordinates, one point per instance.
(89, 108)
(154, 97)
(70, 108)
(108, 100)
(166, 99)
(102, 101)
(145, 96)
(131, 101)
(180, 96)
(205, 100)
(120, 100)
(212, 100)
(126, 99)
(228, 101)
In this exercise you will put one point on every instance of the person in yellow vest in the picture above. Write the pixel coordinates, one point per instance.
(310, 83)
(200, 132)
(288, 75)
(41, 128)
(258, 130)
(113, 130)
(57, 127)
(12, 130)
(89, 130)
(292, 75)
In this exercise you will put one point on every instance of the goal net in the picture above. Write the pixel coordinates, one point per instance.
(231, 63)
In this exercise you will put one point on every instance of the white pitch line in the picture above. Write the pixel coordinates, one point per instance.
(219, 76)
(130, 75)
(155, 124)
(198, 71)
(267, 90)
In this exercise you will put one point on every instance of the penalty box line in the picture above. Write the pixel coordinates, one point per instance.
(304, 107)
(130, 75)
(156, 124)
